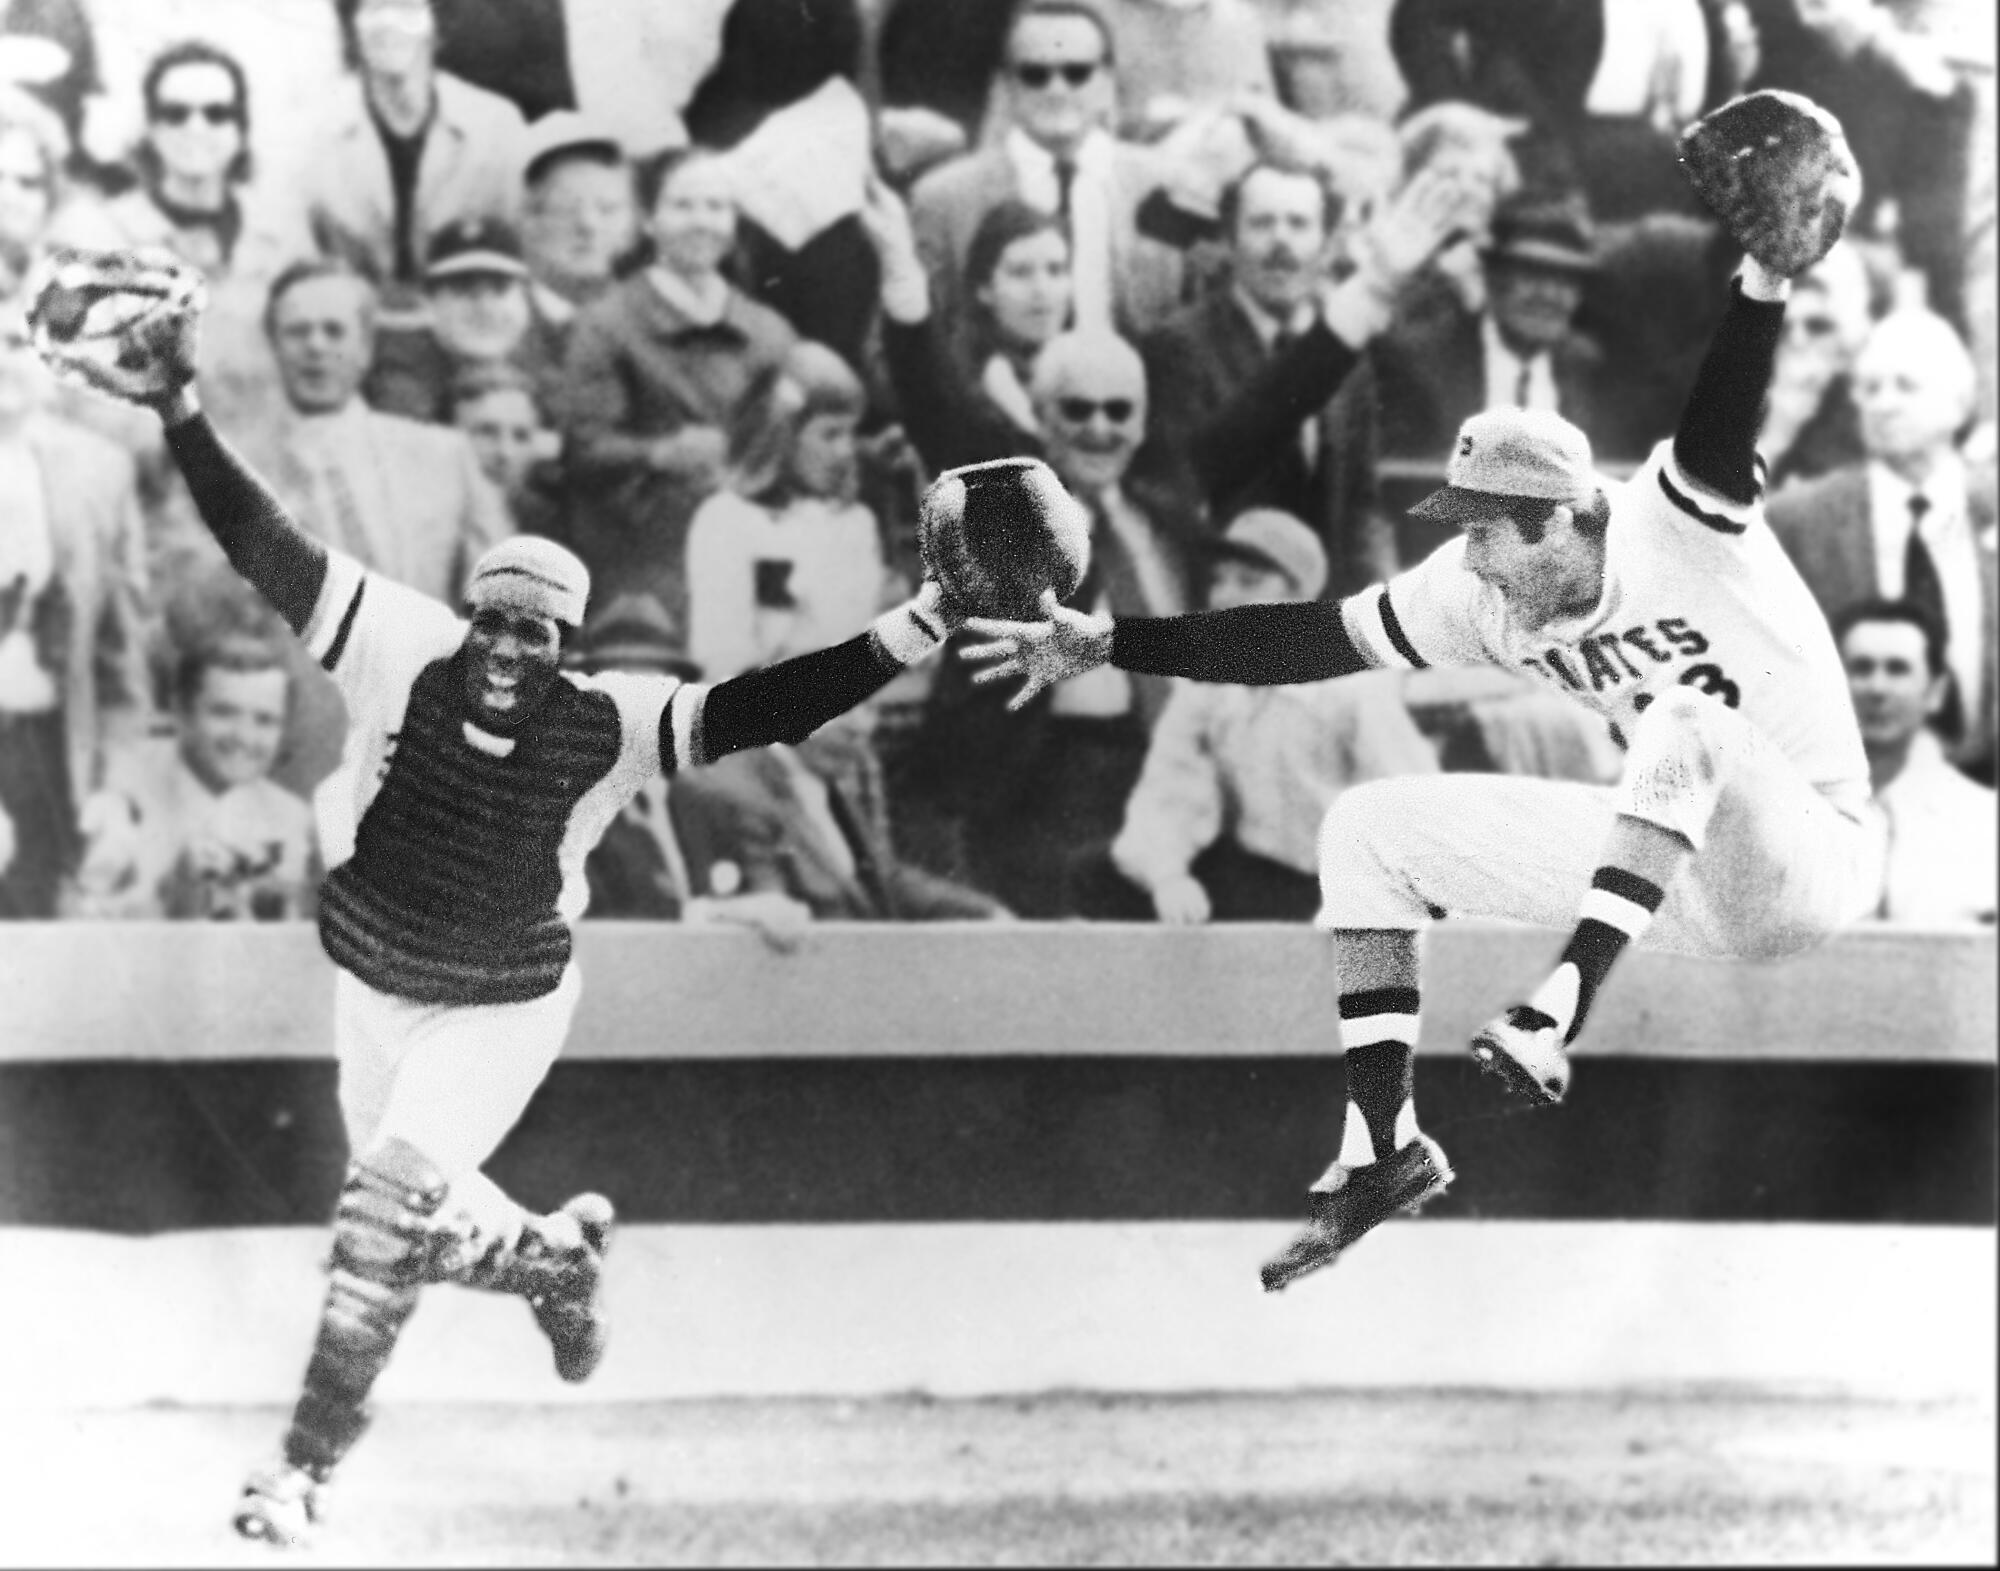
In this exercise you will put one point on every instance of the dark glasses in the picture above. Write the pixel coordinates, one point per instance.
(180, 114)
(1078, 410)
(1076, 73)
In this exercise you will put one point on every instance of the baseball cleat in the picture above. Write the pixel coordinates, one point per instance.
(279, 1506)
(1520, 1050)
(1340, 1217)
(569, 1308)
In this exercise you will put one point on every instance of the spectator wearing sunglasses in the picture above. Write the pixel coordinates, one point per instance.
(197, 198)
(1041, 789)
(1058, 86)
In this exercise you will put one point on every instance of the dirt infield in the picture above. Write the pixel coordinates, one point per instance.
(1066, 1479)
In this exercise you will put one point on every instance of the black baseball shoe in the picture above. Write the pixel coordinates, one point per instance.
(1520, 1050)
(1363, 1196)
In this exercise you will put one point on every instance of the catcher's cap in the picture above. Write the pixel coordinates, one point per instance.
(635, 632)
(1544, 231)
(529, 573)
(1268, 537)
(1507, 453)
(564, 133)
(468, 247)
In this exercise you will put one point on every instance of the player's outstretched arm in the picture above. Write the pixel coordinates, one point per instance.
(1716, 442)
(1256, 646)
(281, 561)
(789, 701)
(128, 324)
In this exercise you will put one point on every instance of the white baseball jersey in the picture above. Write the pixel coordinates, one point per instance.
(1697, 591)
(456, 855)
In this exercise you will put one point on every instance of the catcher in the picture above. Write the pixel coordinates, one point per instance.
(477, 774)
(1739, 826)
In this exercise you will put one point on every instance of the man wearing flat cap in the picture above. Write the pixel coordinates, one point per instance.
(1442, 362)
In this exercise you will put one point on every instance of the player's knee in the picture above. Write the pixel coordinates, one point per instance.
(1687, 725)
(384, 1228)
(1354, 830)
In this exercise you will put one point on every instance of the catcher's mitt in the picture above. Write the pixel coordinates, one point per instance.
(122, 322)
(1777, 170)
(996, 535)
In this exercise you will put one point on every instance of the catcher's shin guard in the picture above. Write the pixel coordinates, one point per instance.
(382, 1245)
(557, 1265)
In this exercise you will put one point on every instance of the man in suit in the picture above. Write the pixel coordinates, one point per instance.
(1440, 363)
(1279, 223)
(810, 822)
(1913, 521)
(73, 580)
(1058, 85)
(1034, 791)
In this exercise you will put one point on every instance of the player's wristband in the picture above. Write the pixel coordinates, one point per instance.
(907, 634)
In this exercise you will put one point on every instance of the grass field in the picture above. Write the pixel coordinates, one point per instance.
(1688, 1477)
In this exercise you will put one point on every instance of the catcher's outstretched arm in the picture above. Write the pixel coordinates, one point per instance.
(1253, 645)
(281, 561)
(1716, 443)
(790, 700)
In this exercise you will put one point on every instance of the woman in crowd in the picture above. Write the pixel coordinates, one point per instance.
(655, 374)
(785, 559)
(196, 198)
(1017, 284)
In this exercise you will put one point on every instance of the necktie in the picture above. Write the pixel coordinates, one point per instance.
(1521, 386)
(1065, 179)
(1921, 585)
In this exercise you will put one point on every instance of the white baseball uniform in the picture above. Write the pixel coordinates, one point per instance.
(1715, 668)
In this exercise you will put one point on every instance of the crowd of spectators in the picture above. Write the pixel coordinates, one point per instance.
(709, 291)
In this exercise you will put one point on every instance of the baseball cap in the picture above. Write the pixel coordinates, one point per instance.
(1268, 537)
(530, 573)
(471, 246)
(1507, 453)
(635, 632)
(1546, 231)
(566, 131)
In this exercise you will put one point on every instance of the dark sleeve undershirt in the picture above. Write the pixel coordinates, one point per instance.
(785, 702)
(281, 561)
(1716, 443)
(1238, 441)
(1255, 645)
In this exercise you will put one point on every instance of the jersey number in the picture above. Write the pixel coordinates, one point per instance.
(1709, 679)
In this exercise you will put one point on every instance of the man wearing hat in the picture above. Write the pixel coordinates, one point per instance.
(1441, 362)
(477, 774)
(1738, 828)
(579, 223)
(1224, 821)
(478, 314)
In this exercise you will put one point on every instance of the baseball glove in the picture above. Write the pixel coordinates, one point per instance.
(122, 322)
(1777, 170)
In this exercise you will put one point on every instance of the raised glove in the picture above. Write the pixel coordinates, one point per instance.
(1777, 170)
(122, 322)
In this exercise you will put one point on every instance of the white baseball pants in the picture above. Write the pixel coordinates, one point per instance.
(450, 1079)
(1777, 866)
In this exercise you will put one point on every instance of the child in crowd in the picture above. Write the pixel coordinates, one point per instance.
(785, 559)
(192, 826)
